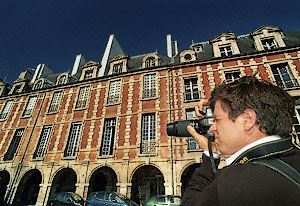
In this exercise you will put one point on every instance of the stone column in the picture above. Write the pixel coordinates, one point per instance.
(43, 194)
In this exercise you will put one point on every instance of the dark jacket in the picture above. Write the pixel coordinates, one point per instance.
(243, 185)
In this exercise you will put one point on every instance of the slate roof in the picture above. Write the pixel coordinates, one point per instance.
(245, 43)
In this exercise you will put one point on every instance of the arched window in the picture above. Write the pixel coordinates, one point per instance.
(38, 85)
(150, 62)
(61, 80)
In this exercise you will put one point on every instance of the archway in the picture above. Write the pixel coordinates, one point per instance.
(64, 181)
(103, 179)
(4, 180)
(28, 188)
(146, 182)
(186, 176)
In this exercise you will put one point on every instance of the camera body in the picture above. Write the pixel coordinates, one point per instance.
(202, 126)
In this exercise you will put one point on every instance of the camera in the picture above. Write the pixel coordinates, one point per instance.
(202, 126)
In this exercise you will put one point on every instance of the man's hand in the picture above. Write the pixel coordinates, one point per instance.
(201, 140)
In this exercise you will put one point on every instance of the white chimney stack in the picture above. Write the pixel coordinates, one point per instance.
(176, 47)
(169, 46)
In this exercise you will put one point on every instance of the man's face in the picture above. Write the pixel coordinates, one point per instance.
(229, 134)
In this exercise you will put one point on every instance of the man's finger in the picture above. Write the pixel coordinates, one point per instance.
(200, 139)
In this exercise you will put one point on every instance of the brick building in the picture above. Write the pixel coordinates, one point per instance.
(102, 126)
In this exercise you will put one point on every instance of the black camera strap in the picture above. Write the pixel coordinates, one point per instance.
(265, 150)
(212, 160)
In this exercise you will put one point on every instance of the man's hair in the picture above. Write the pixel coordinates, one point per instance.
(274, 107)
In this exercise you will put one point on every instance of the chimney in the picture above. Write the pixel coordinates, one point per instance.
(79, 61)
(169, 46)
(176, 47)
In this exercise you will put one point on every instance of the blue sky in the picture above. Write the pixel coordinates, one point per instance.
(55, 31)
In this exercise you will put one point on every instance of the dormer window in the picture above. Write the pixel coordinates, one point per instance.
(118, 64)
(269, 43)
(38, 85)
(187, 55)
(225, 45)
(197, 48)
(150, 62)
(17, 89)
(61, 80)
(268, 38)
(89, 70)
(117, 68)
(88, 74)
(226, 51)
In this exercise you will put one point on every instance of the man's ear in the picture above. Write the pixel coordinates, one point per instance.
(249, 116)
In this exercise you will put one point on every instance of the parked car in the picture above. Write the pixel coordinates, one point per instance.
(160, 200)
(66, 198)
(108, 199)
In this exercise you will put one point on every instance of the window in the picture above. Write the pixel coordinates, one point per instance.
(30, 106)
(269, 43)
(6, 110)
(55, 102)
(192, 144)
(296, 122)
(38, 85)
(17, 89)
(62, 80)
(149, 90)
(73, 140)
(88, 74)
(43, 142)
(231, 76)
(117, 68)
(108, 137)
(191, 90)
(114, 92)
(150, 62)
(9, 155)
(226, 51)
(148, 134)
(283, 77)
(82, 97)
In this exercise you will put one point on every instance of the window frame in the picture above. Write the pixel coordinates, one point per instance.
(58, 102)
(117, 68)
(43, 140)
(282, 82)
(64, 77)
(82, 103)
(38, 84)
(114, 93)
(70, 141)
(12, 102)
(268, 47)
(232, 72)
(148, 140)
(14, 145)
(226, 50)
(191, 86)
(25, 113)
(108, 137)
(150, 83)
(190, 140)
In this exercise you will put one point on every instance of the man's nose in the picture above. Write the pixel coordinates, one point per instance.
(212, 128)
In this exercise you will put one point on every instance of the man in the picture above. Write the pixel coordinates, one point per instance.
(252, 121)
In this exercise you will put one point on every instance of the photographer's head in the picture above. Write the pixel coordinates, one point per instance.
(274, 107)
(249, 109)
